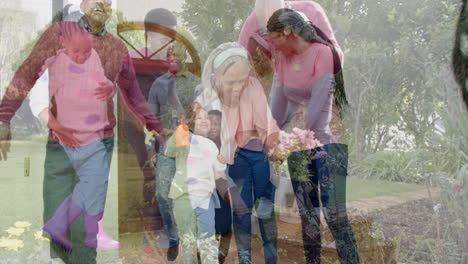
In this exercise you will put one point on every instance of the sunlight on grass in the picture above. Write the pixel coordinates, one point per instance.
(359, 188)
(22, 196)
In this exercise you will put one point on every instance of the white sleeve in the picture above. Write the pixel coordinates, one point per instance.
(39, 96)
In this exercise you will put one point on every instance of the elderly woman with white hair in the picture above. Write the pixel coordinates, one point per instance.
(248, 131)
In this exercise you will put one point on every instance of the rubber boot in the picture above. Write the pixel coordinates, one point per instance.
(58, 225)
(92, 228)
(104, 242)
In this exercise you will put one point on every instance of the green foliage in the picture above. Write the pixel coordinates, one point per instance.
(215, 21)
(397, 69)
(134, 37)
(389, 166)
(405, 119)
(448, 151)
(14, 36)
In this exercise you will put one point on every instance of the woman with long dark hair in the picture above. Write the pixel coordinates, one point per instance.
(308, 93)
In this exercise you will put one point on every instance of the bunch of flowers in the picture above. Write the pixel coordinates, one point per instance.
(17, 246)
(297, 140)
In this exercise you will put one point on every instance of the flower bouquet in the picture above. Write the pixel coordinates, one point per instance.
(297, 140)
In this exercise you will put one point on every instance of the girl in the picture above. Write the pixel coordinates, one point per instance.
(193, 189)
(80, 90)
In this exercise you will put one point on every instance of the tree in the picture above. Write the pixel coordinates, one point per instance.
(215, 21)
(397, 56)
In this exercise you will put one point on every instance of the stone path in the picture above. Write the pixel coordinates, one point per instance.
(292, 232)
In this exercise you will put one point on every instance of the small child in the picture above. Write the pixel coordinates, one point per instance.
(223, 215)
(78, 117)
(194, 187)
(215, 131)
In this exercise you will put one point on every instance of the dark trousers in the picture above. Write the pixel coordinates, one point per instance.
(251, 174)
(223, 223)
(323, 178)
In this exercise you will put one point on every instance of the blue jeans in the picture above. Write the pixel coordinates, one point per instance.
(92, 167)
(251, 173)
(60, 181)
(196, 228)
(326, 173)
(165, 169)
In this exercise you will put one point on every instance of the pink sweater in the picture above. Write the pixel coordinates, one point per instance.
(305, 80)
(73, 86)
(250, 120)
(251, 39)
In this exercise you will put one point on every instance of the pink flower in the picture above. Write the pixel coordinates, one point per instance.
(298, 140)
(457, 188)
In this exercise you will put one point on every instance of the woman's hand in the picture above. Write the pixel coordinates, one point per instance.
(277, 157)
(105, 90)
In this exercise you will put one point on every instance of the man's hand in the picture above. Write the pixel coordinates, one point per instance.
(64, 134)
(152, 157)
(65, 137)
(163, 136)
(105, 90)
(5, 138)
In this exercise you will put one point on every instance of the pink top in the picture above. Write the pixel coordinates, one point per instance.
(303, 69)
(73, 86)
(250, 120)
(305, 88)
(250, 38)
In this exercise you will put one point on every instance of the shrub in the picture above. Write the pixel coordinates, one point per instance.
(388, 165)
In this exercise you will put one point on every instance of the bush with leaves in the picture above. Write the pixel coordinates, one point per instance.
(388, 165)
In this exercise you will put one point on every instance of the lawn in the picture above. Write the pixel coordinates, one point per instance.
(359, 188)
(22, 195)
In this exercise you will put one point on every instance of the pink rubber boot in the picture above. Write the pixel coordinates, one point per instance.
(104, 242)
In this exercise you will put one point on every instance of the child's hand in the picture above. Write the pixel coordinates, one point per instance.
(221, 159)
(227, 197)
(182, 135)
(237, 203)
(105, 90)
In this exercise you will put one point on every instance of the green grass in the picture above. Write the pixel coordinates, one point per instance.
(21, 197)
(360, 188)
